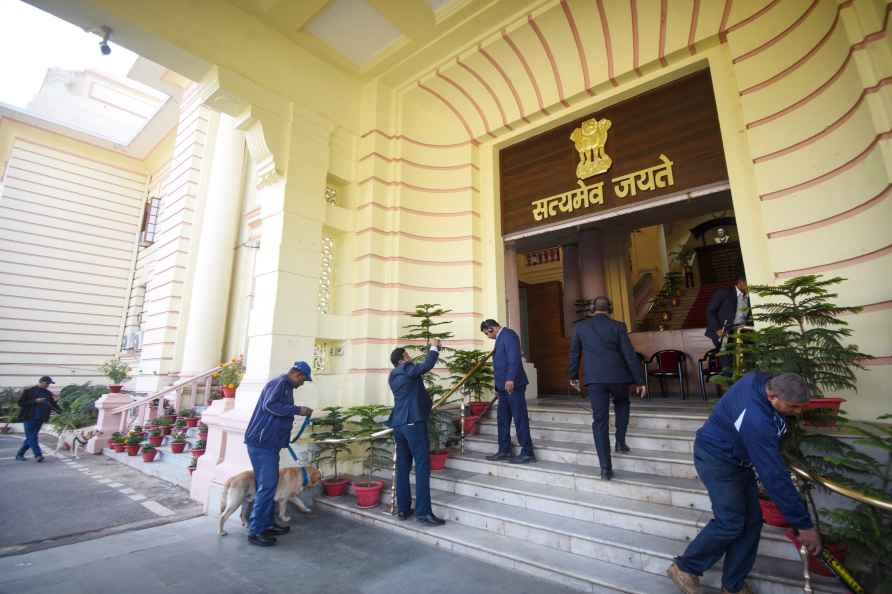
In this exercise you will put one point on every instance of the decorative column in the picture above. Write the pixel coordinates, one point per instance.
(591, 264)
(572, 285)
(206, 323)
(106, 423)
(512, 290)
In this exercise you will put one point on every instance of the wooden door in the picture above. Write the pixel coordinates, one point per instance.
(549, 347)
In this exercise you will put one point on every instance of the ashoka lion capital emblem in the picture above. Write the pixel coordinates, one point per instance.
(590, 138)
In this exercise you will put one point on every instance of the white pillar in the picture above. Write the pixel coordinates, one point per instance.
(512, 290)
(206, 322)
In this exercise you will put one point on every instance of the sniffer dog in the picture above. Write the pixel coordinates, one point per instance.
(74, 439)
(240, 491)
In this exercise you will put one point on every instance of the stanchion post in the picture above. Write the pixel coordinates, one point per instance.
(461, 414)
(393, 480)
(806, 574)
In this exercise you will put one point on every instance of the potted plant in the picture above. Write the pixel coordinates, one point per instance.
(133, 443)
(169, 413)
(117, 442)
(331, 426)
(376, 455)
(164, 424)
(230, 376)
(148, 453)
(178, 443)
(802, 331)
(180, 425)
(438, 427)
(193, 464)
(156, 436)
(117, 371)
(202, 431)
(198, 448)
(771, 513)
(460, 363)
(188, 415)
(425, 331)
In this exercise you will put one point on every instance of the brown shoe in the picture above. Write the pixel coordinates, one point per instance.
(744, 590)
(686, 582)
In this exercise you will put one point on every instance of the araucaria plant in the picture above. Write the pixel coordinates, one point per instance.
(461, 362)
(369, 419)
(331, 426)
(116, 370)
(800, 330)
(426, 329)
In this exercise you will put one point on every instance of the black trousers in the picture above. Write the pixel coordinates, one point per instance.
(599, 396)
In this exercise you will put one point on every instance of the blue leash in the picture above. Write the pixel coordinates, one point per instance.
(294, 456)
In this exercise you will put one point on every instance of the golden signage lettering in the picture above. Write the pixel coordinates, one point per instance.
(583, 197)
(650, 178)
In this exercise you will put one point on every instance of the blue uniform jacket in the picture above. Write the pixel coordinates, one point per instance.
(607, 353)
(507, 364)
(270, 425)
(744, 429)
(411, 402)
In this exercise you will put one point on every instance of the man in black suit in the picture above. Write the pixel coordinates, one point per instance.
(728, 309)
(611, 367)
(411, 410)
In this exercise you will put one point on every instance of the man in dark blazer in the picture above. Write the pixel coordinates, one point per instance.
(728, 308)
(36, 402)
(411, 410)
(611, 366)
(511, 385)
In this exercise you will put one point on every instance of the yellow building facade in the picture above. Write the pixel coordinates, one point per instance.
(408, 144)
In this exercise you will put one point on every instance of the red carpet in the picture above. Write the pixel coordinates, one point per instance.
(697, 314)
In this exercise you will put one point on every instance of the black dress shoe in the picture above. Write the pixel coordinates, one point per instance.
(405, 515)
(276, 530)
(431, 520)
(606, 474)
(523, 459)
(39, 458)
(261, 540)
(499, 456)
(623, 448)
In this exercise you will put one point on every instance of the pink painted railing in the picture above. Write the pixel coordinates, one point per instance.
(144, 411)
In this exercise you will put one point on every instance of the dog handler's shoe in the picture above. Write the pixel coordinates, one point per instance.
(743, 590)
(20, 458)
(686, 582)
(39, 458)
(261, 540)
(406, 515)
(276, 530)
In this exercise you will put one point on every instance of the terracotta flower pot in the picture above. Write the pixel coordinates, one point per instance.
(197, 453)
(334, 487)
(771, 514)
(115, 388)
(172, 418)
(368, 493)
(167, 429)
(438, 459)
(192, 421)
(821, 412)
(477, 408)
(228, 392)
(117, 447)
(471, 425)
(149, 456)
(156, 441)
(815, 565)
(177, 447)
(132, 450)
(203, 435)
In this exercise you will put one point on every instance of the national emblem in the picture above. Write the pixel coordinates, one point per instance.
(590, 138)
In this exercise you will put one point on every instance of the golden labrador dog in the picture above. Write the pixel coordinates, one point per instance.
(240, 491)
(74, 439)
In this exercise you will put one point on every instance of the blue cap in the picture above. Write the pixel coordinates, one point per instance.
(302, 367)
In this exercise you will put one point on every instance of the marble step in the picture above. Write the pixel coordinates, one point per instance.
(170, 467)
(636, 505)
(657, 418)
(661, 463)
(575, 571)
(645, 552)
(665, 440)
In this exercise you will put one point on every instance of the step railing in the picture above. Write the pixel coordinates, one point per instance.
(144, 411)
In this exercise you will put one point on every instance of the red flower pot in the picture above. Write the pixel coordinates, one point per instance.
(826, 409)
(771, 514)
(156, 441)
(172, 418)
(815, 565)
(167, 429)
(115, 388)
(192, 421)
(118, 447)
(438, 459)
(334, 487)
(197, 453)
(228, 392)
(203, 436)
(368, 493)
(177, 447)
(477, 408)
(149, 456)
(132, 450)
(471, 425)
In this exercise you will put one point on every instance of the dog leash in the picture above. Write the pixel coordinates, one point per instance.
(300, 431)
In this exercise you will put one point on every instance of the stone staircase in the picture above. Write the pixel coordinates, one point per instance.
(557, 520)
(170, 467)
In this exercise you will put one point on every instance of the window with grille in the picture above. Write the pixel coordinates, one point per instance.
(150, 221)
